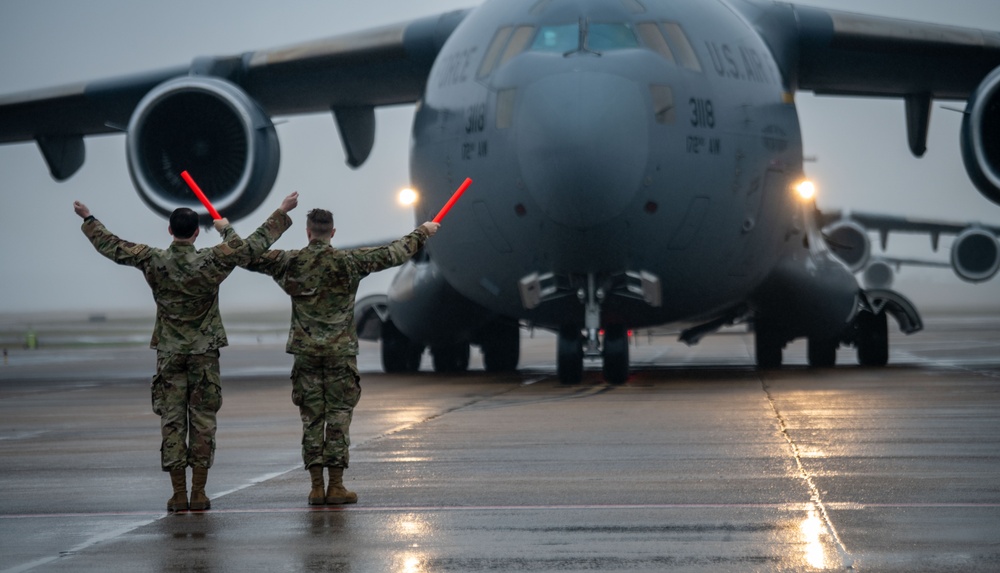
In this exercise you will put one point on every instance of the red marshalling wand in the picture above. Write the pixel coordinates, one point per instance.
(201, 196)
(447, 206)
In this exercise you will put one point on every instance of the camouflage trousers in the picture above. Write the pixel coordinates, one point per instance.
(187, 393)
(326, 389)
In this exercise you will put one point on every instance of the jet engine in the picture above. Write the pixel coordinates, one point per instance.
(975, 255)
(878, 275)
(210, 128)
(849, 242)
(981, 137)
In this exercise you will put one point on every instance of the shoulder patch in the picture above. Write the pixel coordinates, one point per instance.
(134, 249)
(235, 243)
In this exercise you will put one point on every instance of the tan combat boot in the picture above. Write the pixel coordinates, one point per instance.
(199, 500)
(179, 502)
(336, 494)
(316, 496)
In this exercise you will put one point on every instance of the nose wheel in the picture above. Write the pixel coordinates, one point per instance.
(569, 356)
(616, 354)
(574, 346)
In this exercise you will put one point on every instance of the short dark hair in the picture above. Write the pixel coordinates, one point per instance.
(319, 222)
(183, 223)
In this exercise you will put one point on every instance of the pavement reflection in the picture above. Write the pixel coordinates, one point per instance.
(698, 465)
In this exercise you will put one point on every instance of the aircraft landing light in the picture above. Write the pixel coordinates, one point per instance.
(806, 190)
(407, 197)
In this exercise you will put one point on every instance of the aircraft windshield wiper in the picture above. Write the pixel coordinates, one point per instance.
(581, 46)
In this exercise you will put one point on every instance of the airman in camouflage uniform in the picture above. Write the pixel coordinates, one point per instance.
(188, 333)
(323, 282)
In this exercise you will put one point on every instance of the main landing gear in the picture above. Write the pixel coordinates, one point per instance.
(868, 333)
(501, 346)
(769, 345)
(872, 339)
(399, 353)
(500, 342)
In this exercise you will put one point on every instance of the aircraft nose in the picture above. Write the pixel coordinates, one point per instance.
(582, 145)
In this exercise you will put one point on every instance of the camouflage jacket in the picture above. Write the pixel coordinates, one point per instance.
(323, 282)
(185, 281)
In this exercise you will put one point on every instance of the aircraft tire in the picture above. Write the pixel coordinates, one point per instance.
(872, 339)
(822, 352)
(501, 347)
(767, 346)
(451, 358)
(399, 353)
(569, 358)
(616, 354)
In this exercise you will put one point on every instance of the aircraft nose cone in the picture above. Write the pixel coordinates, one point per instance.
(582, 145)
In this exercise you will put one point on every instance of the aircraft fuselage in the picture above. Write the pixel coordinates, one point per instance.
(599, 158)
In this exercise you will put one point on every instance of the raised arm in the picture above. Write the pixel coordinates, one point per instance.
(237, 252)
(107, 243)
(374, 259)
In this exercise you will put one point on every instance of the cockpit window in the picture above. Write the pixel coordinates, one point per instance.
(598, 37)
(505, 108)
(634, 6)
(663, 104)
(518, 43)
(493, 52)
(561, 39)
(605, 37)
(540, 7)
(682, 47)
(653, 38)
(669, 40)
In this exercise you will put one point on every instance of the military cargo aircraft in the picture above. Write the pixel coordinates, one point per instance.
(974, 254)
(635, 164)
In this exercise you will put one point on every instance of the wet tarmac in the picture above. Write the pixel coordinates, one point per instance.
(699, 463)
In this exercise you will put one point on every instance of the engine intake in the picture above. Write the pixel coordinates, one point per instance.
(210, 128)
(981, 137)
(975, 255)
(849, 242)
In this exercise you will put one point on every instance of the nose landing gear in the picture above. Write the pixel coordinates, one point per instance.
(573, 347)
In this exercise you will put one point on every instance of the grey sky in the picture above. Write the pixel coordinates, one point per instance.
(46, 264)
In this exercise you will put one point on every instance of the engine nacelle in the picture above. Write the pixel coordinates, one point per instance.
(424, 307)
(878, 275)
(210, 128)
(849, 241)
(981, 137)
(975, 255)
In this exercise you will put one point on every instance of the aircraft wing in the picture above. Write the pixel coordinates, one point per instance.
(886, 224)
(376, 67)
(900, 261)
(841, 53)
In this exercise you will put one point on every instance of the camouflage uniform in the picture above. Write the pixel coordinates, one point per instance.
(323, 282)
(187, 335)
